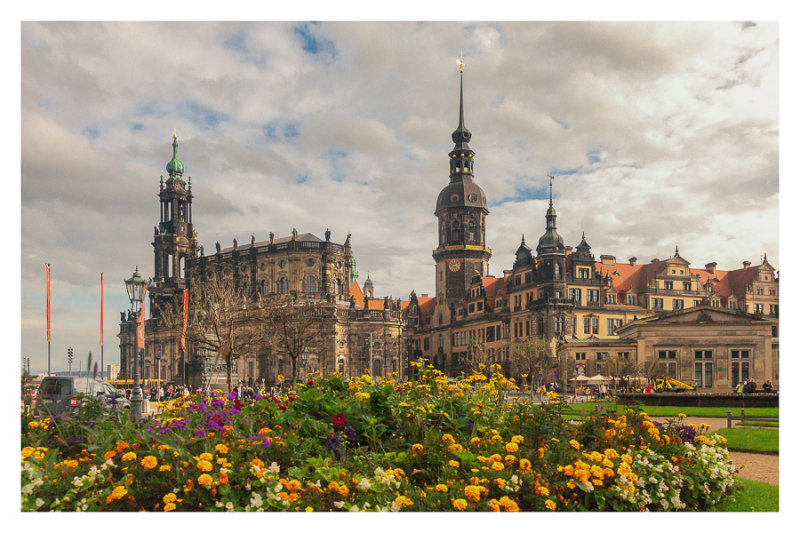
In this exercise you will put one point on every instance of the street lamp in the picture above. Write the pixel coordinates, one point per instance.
(135, 287)
(304, 359)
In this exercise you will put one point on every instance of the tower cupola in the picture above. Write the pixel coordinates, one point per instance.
(175, 167)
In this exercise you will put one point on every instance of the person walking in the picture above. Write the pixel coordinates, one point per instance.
(739, 388)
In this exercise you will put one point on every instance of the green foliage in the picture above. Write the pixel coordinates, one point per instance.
(752, 440)
(752, 496)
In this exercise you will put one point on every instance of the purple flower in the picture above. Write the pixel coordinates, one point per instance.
(266, 442)
(350, 433)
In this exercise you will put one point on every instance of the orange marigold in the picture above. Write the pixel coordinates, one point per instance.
(149, 462)
(205, 479)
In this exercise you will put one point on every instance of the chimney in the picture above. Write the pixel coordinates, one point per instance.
(745, 264)
(607, 259)
(424, 295)
(632, 261)
(711, 268)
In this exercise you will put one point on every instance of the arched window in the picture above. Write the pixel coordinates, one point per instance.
(310, 284)
(282, 286)
(556, 271)
(263, 288)
(339, 290)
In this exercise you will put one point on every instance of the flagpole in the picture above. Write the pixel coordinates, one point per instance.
(47, 269)
(101, 326)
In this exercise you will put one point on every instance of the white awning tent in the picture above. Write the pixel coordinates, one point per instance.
(579, 378)
(599, 378)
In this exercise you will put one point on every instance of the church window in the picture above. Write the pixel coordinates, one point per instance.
(263, 288)
(282, 286)
(556, 271)
(310, 284)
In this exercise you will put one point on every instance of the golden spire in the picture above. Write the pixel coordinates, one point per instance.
(460, 63)
(175, 133)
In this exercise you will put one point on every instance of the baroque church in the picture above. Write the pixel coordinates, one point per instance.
(705, 326)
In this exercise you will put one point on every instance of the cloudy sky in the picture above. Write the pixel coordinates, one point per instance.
(659, 134)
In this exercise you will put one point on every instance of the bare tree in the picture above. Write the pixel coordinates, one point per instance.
(619, 367)
(290, 324)
(532, 356)
(220, 321)
(478, 355)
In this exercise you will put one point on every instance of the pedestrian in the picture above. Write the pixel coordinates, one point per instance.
(768, 386)
(739, 388)
(648, 389)
(603, 390)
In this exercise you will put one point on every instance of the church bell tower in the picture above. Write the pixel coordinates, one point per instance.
(174, 239)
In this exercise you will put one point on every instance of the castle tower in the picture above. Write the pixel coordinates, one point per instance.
(461, 210)
(551, 257)
(174, 239)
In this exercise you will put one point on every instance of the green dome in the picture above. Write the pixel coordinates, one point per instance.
(175, 166)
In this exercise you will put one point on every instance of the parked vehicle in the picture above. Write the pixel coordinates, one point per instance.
(670, 385)
(61, 394)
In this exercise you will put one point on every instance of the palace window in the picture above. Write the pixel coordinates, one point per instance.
(613, 325)
(696, 303)
(580, 356)
(740, 366)
(758, 309)
(559, 324)
(631, 299)
(611, 298)
(592, 295)
(732, 304)
(668, 284)
(703, 368)
(583, 273)
(667, 362)
(658, 303)
(677, 304)
(574, 295)
(624, 355)
(773, 309)
(602, 356)
(591, 325)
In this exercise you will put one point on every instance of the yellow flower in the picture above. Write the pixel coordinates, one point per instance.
(497, 465)
(309, 509)
(447, 438)
(205, 479)
(206, 457)
(575, 444)
(508, 504)
(204, 466)
(524, 465)
(221, 448)
(416, 448)
(512, 447)
(550, 504)
(452, 463)
(118, 493)
(460, 504)
(149, 462)
(169, 498)
(472, 493)
(33, 424)
(441, 488)
(517, 439)
(402, 500)
(169, 507)
(681, 415)
(475, 440)
(130, 456)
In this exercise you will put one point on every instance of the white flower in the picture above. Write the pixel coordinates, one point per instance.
(338, 505)
(39, 502)
(274, 468)
(256, 500)
(354, 509)
(229, 506)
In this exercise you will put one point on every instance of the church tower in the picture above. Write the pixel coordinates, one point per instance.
(461, 210)
(174, 239)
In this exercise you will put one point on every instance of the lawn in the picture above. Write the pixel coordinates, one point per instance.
(751, 439)
(756, 496)
(666, 410)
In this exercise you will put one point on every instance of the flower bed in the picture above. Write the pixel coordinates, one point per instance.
(370, 445)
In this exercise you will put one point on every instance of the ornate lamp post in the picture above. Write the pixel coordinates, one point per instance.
(135, 287)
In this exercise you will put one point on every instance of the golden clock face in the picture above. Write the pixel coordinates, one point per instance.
(455, 265)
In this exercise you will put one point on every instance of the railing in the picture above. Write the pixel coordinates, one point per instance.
(745, 418)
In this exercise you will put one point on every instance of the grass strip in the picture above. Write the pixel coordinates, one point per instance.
(668, 410)
(751, 439)
(756, 496)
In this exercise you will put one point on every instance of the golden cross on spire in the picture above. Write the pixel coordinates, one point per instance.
(175, 133)
(460, 63)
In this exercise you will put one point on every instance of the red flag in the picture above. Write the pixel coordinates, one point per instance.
(140, 328)
(47, 271)
(185, 316)
(101, 308)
